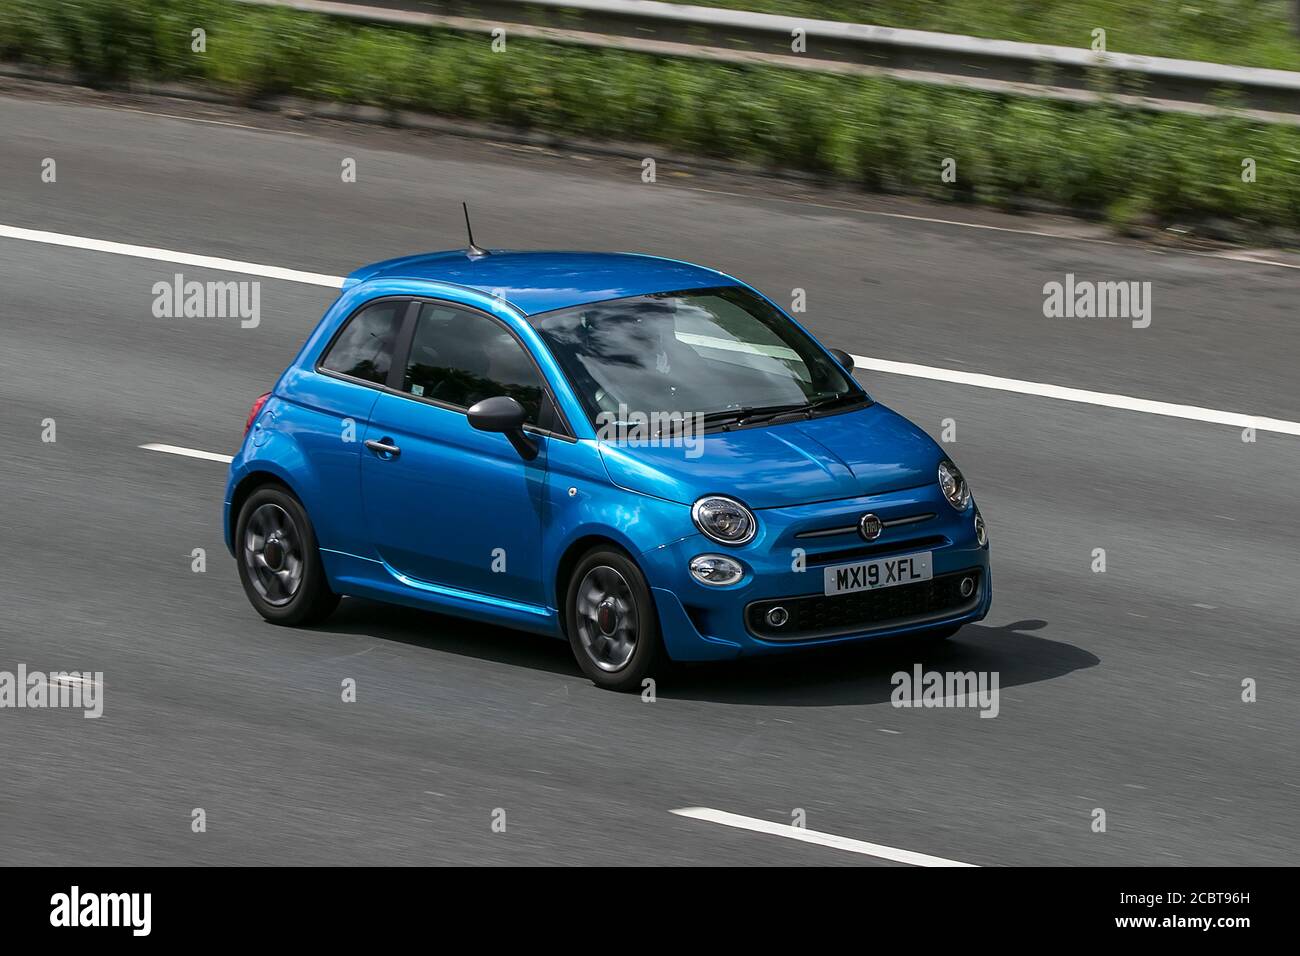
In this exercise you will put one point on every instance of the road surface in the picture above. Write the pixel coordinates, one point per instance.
(1120, 690)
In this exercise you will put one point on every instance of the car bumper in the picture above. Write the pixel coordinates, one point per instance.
(784, 568)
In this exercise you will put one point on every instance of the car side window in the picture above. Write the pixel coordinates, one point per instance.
(364, 349)
(461, 357)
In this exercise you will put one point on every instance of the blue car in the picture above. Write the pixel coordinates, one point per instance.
(645, 457)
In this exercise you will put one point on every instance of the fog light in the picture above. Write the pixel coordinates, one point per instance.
(715, 569)
(967, 587)
(778, 616)
(981, 535)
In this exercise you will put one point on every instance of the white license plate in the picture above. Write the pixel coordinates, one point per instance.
(885, 573)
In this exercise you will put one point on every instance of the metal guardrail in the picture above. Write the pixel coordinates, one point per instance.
(937, 58)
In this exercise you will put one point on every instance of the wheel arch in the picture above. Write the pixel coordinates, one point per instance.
(569, 560)
(258, 478)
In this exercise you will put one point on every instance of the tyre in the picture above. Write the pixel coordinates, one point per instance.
(611, 621)
(279, 561)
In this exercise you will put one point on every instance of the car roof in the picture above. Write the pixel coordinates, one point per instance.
(535, 282)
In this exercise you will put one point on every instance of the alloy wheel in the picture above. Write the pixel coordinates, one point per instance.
(273, 554)
(607, 620)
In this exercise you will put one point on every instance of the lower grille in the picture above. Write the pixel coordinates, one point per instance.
(821, 616)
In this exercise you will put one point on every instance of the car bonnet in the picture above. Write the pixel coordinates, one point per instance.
(868, 451)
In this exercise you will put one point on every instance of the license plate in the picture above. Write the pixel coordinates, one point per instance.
(885, 573)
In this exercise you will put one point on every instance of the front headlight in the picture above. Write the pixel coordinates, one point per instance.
(724, 520)
(954, 485)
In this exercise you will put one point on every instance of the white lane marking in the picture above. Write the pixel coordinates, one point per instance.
(167, 255)
(188, 452)
(73, 680)
(813, 836)
(1106, 399)
(977, 379)
(211, 122)
(1014, 385)
(1227, 254)
(1245, 257)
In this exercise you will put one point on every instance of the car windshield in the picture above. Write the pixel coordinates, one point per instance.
(725, 353)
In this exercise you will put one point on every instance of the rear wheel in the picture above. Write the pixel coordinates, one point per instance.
(611, 621)
(279, 561)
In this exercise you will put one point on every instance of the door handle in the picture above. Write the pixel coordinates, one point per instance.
(383, 448)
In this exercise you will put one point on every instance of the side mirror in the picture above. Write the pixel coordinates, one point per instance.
(504, 415)
(844, 358)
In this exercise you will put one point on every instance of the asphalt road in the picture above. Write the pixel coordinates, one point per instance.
(1119, 690)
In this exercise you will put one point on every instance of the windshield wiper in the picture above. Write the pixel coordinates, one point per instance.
(727, 416)
(769, 412)
(730, 417)
(750, 414)
(830, 400)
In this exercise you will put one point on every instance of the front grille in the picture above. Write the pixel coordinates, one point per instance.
(819, 616)
(817, 559)
(840, 529)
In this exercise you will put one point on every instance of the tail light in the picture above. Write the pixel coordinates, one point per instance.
(255, 411)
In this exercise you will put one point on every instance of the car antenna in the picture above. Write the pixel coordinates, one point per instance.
(473, 251)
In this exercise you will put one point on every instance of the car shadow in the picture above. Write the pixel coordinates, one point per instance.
(819, 677)
(451, 635)
(862, 673)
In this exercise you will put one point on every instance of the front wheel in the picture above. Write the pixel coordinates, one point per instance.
(279, 561)
(611, 621)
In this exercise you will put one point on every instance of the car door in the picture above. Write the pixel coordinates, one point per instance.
(447, 504)
(326, 409)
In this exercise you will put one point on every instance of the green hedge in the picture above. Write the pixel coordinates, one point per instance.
(881, 135)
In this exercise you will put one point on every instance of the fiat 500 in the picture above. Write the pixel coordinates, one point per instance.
(645, 457)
